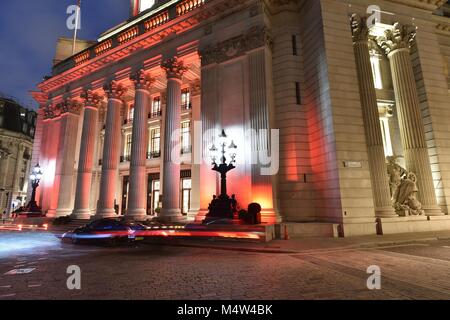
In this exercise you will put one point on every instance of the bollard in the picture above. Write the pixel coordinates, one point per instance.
(286, 233)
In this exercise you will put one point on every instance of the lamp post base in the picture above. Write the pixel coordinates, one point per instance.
(31, 210)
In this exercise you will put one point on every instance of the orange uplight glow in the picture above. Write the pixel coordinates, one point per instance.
(208, 234)
(23, 227)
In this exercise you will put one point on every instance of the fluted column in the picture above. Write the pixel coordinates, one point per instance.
(86, 158)
(261, 121)
(196, 157)
(396, 44)
(371, 118)
(111, 151)
(64, 176)
(49, 149)
(137, 195)
(171, 167)
(210, 120)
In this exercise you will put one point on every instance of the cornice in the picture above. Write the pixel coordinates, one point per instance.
(442, 25)
(430, 5)
(235, 47)
(91, 61)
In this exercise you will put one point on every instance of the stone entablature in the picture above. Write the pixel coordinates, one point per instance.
(255, 38)
(422, 4)
(442, 25)
(149, 33)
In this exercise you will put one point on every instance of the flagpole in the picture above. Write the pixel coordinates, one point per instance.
(77, 18)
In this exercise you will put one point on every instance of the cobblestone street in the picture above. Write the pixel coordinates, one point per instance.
(410, 271)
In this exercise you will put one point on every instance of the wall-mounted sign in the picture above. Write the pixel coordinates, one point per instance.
(352, 164)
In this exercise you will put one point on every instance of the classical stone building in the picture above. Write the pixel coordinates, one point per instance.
(17, 129)
(361, 102)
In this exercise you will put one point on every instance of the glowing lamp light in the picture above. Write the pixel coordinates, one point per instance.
(223, 138)
(32, 208)
(36, 175)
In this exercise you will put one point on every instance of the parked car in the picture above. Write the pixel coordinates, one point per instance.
(109, 230)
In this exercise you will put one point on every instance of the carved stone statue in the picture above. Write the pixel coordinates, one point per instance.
(396, 173)
(404, 190)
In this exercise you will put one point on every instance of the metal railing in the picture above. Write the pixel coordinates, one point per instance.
(155, 114)
(153, 155)
(186, 150)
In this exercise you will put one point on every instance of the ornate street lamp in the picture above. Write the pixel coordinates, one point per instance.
(32, 208)
(223, 168)
(222, 207)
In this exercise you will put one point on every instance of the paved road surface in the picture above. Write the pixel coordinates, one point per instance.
(413, 271)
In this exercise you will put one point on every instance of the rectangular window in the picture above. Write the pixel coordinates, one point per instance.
(386, 133)
(376, 70)
(186, 137)
(155, 143)
(156, 107)
(128, 143)
(155, 195)
(185, 99)
(131, 113)
(294, 45)
(297, 93)
(186, 185)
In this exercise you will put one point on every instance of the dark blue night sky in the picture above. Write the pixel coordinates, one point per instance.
(28, 33)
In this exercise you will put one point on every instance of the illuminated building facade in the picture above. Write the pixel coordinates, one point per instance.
(17, 129)
(346, 96)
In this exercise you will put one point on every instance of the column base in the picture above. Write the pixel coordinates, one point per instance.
(82, 214)
(170, 215)
(192, 215)
(104, 213)
(51, 213)
(385, 212)
(136, 215)
(433, 211)
(201, 215)
(270, 216)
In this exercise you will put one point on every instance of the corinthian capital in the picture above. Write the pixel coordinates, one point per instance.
(142, 80)
(70, 106)
(114, 90)
(360, 31)
(174, 68)
(91, 99)
(49, 112)
(400, 37)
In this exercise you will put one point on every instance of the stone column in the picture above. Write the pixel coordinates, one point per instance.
(171, 153)
(44, 186)
(196, 157)
(64, 176)
(111, 151)
(86, 159)
(261, 121)
(372, 127)
(137, 195)
(210, 120)
(50, 183)
(396, 43)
